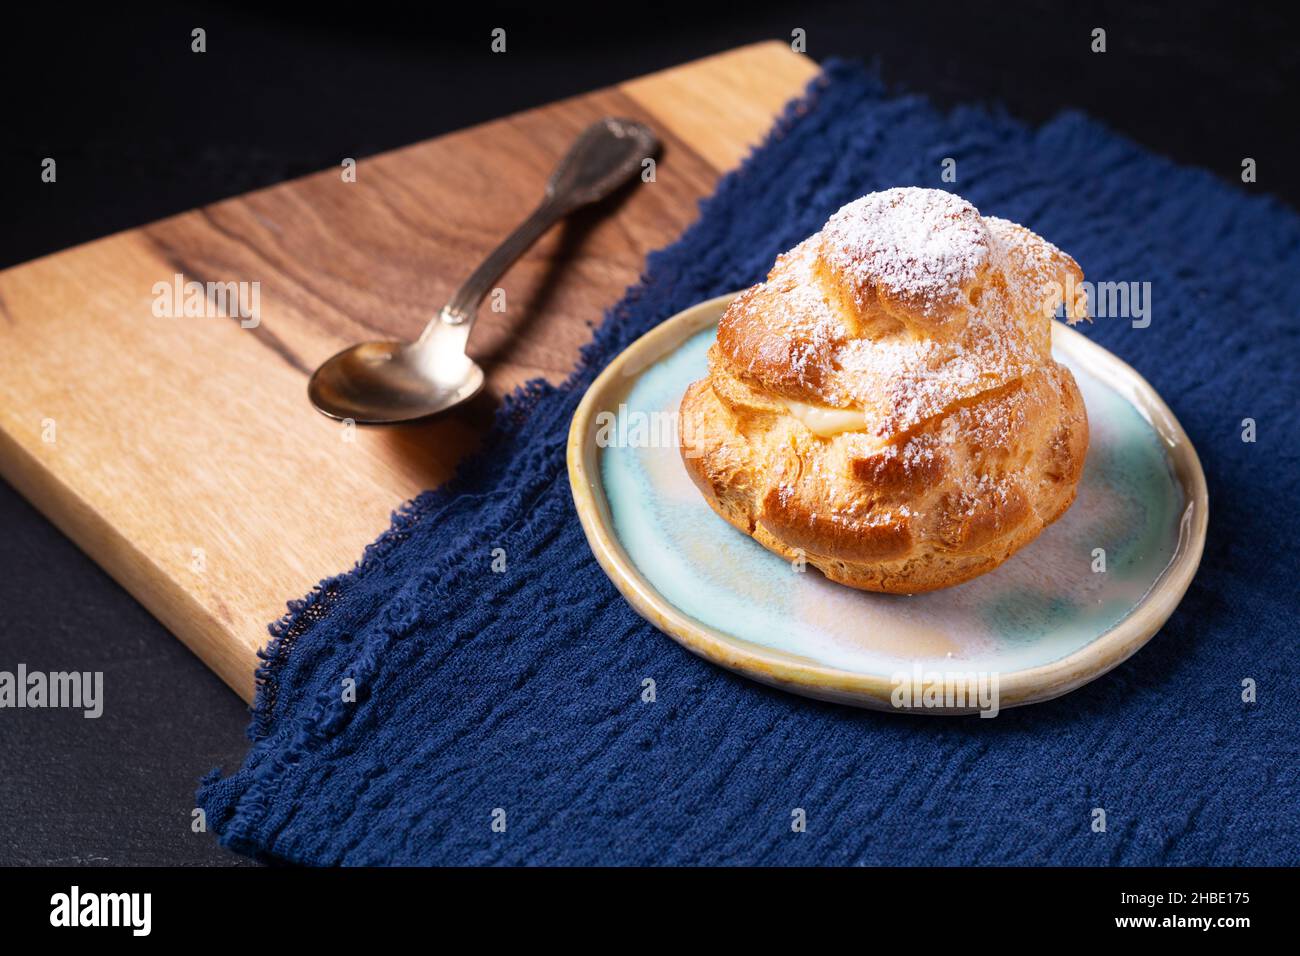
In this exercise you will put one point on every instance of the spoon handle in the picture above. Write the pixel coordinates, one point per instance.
(606, 155)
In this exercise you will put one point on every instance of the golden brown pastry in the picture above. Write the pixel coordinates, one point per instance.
(885, 405)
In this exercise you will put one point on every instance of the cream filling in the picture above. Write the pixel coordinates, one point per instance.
(827, 422)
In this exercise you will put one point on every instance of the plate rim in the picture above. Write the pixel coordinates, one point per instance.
(803, 676)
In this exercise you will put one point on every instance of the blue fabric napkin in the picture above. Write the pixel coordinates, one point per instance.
(514, 698)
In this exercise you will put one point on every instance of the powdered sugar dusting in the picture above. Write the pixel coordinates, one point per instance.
(793, 307)
(919, 245)
(989, 275)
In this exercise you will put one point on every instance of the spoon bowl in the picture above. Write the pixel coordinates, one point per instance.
(385, 383)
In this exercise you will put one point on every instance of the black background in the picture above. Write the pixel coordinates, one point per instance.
(142, 128)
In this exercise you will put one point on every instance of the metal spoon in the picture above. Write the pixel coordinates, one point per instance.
(378, 383)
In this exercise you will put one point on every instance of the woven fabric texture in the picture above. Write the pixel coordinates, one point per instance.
(522, 690)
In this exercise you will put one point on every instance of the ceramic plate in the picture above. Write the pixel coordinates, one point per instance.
(1078, 600)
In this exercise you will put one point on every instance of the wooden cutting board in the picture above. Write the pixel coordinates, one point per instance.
(181, 453)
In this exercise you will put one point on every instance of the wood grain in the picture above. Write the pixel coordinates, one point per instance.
(181, 453)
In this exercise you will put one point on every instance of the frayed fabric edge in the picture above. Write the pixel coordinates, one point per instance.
(240, 810)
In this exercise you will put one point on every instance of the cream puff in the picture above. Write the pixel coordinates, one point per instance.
(885, 406)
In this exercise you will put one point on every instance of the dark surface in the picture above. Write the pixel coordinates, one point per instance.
(142, 128)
